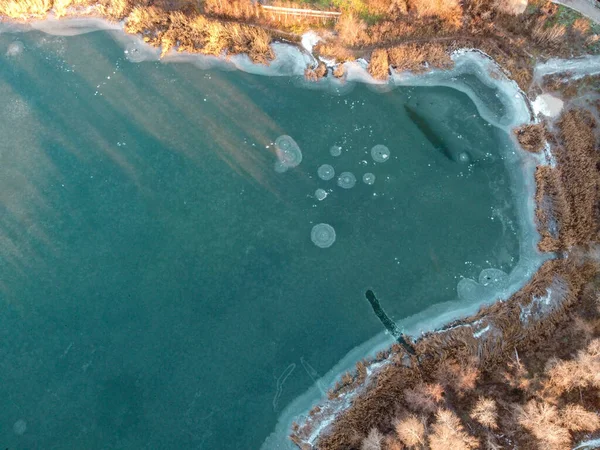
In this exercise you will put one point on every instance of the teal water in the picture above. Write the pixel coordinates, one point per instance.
(158, 283)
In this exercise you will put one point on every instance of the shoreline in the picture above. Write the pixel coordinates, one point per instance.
(355, 72)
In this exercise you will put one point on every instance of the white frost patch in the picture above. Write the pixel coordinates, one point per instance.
(373, 367)
(588, 65)
(588, 445)
(329, 62)
(549, 156)
(309, 40)
(481, 332)
(73, 26)
(547, 105)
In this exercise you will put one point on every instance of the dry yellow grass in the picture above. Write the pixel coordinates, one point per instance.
(449, 11)
(24, 9)
(547, 36)
(416, 57)
(379, 66)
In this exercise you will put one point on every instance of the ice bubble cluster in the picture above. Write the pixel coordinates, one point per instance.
(346, 180)
(326, 172)
(493, 277)
(489, 280)
(320, 194)
(369, 178)
(380, 153)
(323, 235)
(335, 150)
(280, 167)
(134, 53)
(288, 153)
(464, 158)
(19, 427)
(14, 49)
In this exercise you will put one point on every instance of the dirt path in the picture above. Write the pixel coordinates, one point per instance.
(582, 6)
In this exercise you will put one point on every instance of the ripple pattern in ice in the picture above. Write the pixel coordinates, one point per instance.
(380, 153)
(346, 180)
(288, 152)
(323, 235)
(326, 172)
(369, 178)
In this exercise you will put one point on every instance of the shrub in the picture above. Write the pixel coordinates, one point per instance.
(449, 434)
(485, 412)
(411, 431)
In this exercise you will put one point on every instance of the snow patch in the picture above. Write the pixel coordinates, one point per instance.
(309, 40)
(547, 105)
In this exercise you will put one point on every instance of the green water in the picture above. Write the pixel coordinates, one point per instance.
(157, 275)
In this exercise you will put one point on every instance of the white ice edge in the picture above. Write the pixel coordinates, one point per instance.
(588, 445)
(578, 67)
(291, 61)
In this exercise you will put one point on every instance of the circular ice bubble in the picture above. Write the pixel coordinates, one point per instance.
(335, 150)
(464, 158)
(493, 278)
(380, 153)
(19, 427)
(346, 180)
(469, 290)
(14, 48)
(326, 172)
(134, 53)
(369, 178)
(320, 194)
(280, 167)
(288, 152)
(323, 235)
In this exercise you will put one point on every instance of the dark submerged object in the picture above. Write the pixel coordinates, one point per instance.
(388, 323)
(423, 126)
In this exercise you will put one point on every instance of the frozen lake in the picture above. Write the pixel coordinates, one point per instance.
(160, 285)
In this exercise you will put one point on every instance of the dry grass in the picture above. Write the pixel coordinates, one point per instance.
(548, 36)
(379, 66)
(531, 137)
(198, 34)
(419, 57)
(569, 194)
(25, 9)
(450, 11)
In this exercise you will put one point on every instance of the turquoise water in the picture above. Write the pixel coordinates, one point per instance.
(158, 283)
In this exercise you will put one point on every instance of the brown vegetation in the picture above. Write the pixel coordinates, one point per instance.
(532, 137)
(416, 33)
(24, 9)
(568, 195)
